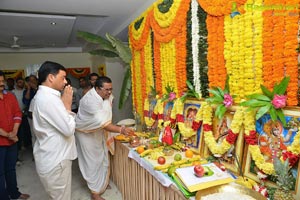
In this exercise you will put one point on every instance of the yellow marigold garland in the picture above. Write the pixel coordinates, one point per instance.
(165, 19)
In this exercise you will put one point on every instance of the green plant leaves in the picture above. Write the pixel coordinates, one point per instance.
(281, 87)
(96, 39)
(259, 97)
(266, 92)
(220, 111)
(255, 103)
(262, 110)
(122, 49)
(126, 87)
(280, 115)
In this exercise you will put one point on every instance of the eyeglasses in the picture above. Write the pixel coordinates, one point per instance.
(107, 89)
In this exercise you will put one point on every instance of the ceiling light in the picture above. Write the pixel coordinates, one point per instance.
(53, 23)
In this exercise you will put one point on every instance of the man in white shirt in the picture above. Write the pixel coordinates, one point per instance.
(54, 126)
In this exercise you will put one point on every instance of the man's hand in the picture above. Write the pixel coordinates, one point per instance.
(67, 97)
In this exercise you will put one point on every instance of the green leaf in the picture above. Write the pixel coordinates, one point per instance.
(259, 97)
(281, 87)
(126, 87)
(227, 89)
(122, 49)
(96, 39)
(273, 114)
(103, 52)
(221, 92)
(254, 103)
(190, 86)
(216, 93)
(266, 92)
(263, 110)
(215, 100)
(280, 115)
(220, 111)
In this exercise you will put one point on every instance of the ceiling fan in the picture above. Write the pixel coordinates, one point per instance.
(15, 45)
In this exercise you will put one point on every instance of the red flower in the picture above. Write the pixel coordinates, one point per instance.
(207, 127)
(179, 118)
(231, 137)
(251, 138)
(292, 157)
(196, 125)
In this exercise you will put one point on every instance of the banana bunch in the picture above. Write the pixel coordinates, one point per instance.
(178, 146)
(155, 154)
(140, 134)
(162, 167)
(146, 152)
(247, 182)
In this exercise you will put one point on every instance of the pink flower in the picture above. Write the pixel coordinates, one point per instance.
(279, 101)
(172, 96)
(228, 100)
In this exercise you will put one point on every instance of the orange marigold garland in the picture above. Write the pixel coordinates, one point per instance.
(290, 53)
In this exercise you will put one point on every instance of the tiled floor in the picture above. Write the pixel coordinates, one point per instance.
(29, 182)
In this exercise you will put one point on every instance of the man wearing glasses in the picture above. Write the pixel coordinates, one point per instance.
(93, 119)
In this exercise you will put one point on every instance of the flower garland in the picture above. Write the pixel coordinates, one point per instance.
(185, 131)
(165, 19)
(149, 116)
(257, 19)
(219, 149)
(293, 151)
(167, 43)
(219, 7)
(290, 54)
(202, 46)
(267, 35)
(195, 49)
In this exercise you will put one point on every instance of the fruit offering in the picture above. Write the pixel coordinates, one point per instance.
(199, 170)
(161, 160)
(177, 157)
(189, 153)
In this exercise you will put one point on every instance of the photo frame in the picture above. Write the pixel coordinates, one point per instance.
(190, 110)
(102, 70)
(220, 128)
(269, 133)
(14, 73)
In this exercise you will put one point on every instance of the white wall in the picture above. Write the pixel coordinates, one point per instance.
(114, 69)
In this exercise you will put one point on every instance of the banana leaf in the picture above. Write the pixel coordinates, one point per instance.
(122, 49)
(96, 39)
(126, 87)
(105, 53)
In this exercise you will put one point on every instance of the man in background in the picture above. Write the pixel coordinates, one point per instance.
(10, 119)
(54, 127)
(10, 82)
(83, 89)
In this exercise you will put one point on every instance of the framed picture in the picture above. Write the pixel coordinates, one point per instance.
(234, 155)
(190, 110)
(274, 138)
(102, 70)
(14, 73)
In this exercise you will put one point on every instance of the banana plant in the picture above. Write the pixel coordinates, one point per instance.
(112, 47)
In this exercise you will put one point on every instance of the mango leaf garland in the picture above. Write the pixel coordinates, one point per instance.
(269, 101)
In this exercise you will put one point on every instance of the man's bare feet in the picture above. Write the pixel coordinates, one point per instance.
(97, 197)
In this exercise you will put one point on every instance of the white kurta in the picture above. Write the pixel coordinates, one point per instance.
(54, 129)
(94, 113)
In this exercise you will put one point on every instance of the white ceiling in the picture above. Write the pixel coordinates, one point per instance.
(30, 21)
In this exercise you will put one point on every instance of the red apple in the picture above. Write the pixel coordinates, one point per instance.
(199, 170)
(161, 160)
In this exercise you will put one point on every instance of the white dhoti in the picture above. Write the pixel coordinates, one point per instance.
(93, 115)
(93, 160)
